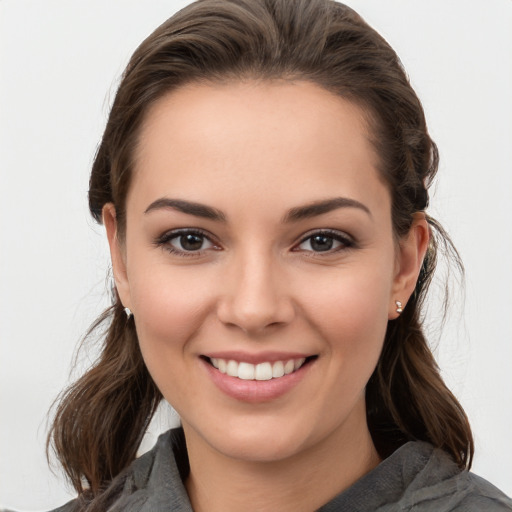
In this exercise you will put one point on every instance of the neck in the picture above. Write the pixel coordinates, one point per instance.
(303, 482)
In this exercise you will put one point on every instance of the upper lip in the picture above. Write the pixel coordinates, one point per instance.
(260, 357)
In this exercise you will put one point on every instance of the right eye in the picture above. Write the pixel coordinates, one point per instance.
(185, 242)
(190, 242)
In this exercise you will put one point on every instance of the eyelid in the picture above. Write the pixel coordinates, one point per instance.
(173, 233)
(163, 241)
(342, 237)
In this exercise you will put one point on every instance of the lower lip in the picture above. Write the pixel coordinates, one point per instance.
(256, 391)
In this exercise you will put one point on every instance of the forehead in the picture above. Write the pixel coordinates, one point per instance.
(281, 141)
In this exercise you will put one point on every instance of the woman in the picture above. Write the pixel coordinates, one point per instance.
(263, 182)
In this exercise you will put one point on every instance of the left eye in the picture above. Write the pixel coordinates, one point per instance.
(189, 242)
(323, 242)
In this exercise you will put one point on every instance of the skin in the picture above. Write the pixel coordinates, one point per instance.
(254, 150)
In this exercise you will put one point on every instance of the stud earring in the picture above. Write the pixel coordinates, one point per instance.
(399, 308)
(128, 312)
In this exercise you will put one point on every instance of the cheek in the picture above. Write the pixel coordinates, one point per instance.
(351, 311)
(164, 309)
(170, 304)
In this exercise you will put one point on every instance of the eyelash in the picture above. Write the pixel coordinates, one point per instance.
(346, 241)
(164, 242)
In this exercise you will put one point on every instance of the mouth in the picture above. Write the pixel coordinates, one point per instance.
(264, 371)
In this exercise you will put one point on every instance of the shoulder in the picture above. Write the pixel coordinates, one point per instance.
(478, 494)
(439, 485)
(420, 478)
(151, 480)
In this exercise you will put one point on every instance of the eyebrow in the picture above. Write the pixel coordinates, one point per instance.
(293, 215)
(189, 207)
(324, 206)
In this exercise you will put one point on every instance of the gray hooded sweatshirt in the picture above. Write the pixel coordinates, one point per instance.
(415, 478)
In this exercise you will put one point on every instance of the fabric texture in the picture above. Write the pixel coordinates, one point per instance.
(415, 478)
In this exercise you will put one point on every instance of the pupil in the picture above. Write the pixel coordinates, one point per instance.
(191, 242)
(321, 243)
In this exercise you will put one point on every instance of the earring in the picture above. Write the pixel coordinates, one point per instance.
(128, 312)
(398, 306)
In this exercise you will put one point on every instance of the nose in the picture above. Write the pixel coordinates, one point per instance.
(255, 296)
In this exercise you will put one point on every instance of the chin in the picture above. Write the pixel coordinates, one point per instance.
(258, 440)
(259, 447)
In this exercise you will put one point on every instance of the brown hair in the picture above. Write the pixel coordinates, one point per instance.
(101, 418)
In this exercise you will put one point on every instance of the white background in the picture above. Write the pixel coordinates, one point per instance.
(60, 61)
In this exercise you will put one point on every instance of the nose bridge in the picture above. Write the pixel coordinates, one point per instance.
(255, 295)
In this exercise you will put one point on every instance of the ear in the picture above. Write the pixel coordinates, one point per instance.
(411, 252)
(117, 254)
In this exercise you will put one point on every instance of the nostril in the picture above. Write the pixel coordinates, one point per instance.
(255, 318)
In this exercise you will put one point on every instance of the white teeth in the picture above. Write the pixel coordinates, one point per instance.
(297, 363)
(232, 369)
(289, 367)
(245, 371)
(261, 371)
(277, 369)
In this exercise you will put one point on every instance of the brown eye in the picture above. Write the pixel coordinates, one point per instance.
(189, 242)
(321, 243)
(185, 242)
(325, 242)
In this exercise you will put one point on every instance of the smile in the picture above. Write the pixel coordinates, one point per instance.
(261, 371)
(257, 378)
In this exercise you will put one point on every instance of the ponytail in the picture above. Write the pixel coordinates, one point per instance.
(101, 418)
(406, 396)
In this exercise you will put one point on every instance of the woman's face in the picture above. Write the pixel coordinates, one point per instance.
(259, 243)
